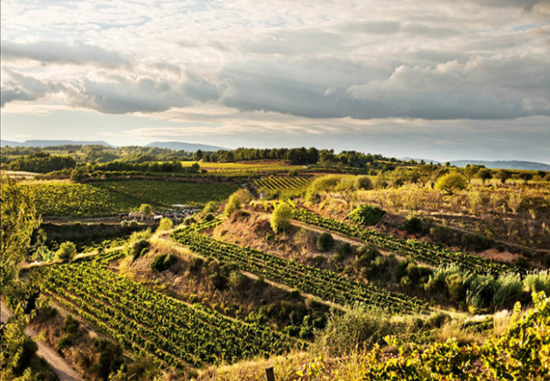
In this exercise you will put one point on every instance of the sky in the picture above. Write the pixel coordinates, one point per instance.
(442, 80)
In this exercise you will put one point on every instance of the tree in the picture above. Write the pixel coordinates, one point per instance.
(233, 204)
(470, 171)
(146, 208)
(280, 219)
(451, 182)
(19, 220)
(66, 251)
(485, 174)
(325, 242)
(363, 183)
(526, 176)
(165, 224)
(504, 175)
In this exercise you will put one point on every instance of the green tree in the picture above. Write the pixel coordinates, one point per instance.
(165, 224)
(66, 251)
(325, 242)
(451, 182)
(485, 174)
(146, 208)
(526, 177)
(504, 175)
(19, 220)
(280, 219)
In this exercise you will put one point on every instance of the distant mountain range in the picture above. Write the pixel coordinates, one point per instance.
(505, 164)
(178, 146)
(51, 143)
(498, 164)
(189, 147)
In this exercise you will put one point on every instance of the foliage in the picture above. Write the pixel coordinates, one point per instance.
(451, 183)
(66, 251)
(366, 215)
(421, 251)
(280, 218)
(163, 262)
(165, 224)
(146, 209)
(147, 322)
(325, 242)
(485, 174)
(321, 283)
(101, 198)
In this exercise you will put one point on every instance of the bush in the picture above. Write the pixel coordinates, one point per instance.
(280, 219)
(64, 342)
(413, 224)
(146, 208)
(233, 204)
(137, 247)
(71, 325)
(165, 224)
(163, 262)
(345, 250)
(210, 207)
(325, 242)
(537, 282)
(209, 217)
(363, 182)
(437, 319)
(451, 182)
(366, 215)
(188, 221)
(66, 251)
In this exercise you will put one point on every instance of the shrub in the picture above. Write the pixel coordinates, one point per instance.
(537, 282)
(233, 204)
(363, 182)
(451, 182)
(210, 207)
(237, 281)
(366, 215)
(437, 319)
(137, 247)
(64, 342)
(280, 219)
(413, 224)
(209, 217)
(66, 251)
(188, 221)
(345, 250)
(509, 290)
(325, 242)
(165, 224)
(357, 329)
(71, 325)
(146, 208)
(163, 262)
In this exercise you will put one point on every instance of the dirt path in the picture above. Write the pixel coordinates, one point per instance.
(58, 364)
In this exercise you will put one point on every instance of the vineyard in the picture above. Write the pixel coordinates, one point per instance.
(148, 322)
(283, 183)
(421, 251)
(321, 283)
(110, 197)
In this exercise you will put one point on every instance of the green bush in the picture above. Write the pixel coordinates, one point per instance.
(280, 219)
(66, 251)
(366, 215)
(165, 224)
(413, 224)
(325, 242)
(209, 217)
(163, 262)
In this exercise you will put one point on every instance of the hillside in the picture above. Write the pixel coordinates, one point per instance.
(505, 164)
(189, 147)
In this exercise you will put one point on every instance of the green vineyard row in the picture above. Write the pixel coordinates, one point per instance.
(282, 183)
(422, 251)
(111, 197)
(318, 282)
(149, 322)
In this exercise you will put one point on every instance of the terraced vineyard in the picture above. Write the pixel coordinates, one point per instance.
(150, 323)
(321, 283)
(283, 183)
(421, 251)
(111, 197)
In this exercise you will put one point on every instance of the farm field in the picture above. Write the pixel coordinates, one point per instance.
(283, 183)
(323, 284)
(112, 197)
(423, 252)
(149, 323)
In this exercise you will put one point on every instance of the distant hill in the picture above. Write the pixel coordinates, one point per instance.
(50, 143)
(189, 147)
(498, 164)
(511, 164)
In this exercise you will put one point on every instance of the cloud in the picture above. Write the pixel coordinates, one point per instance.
(78, 53)
(20, 87)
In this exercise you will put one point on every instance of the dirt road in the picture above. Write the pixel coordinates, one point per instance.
(58, 364)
